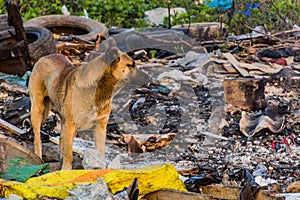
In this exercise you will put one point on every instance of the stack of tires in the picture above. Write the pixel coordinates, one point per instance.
(39, 34)
(40, 43)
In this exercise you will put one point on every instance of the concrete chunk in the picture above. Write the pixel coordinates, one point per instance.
(244, 93)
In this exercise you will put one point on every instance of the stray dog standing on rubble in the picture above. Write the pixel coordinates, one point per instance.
(82, 96)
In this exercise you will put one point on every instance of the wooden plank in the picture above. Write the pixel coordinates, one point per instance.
(11, 149)
(236, 64)
(229, 68)
(170, 194)
(4, 124)
(221, 191)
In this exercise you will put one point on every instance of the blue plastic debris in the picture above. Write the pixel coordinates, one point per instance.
(221, 4)
(249, 7)
(16, 79)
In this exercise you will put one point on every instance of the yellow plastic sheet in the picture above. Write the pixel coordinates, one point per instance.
(54, 184)
(150, 179)
(57, 184)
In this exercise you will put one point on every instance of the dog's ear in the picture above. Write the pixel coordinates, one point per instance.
(108, 44)
(112, 55)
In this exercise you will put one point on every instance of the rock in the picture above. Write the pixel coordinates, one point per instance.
(294, 187)
(157, 15)
(265, 182)
(214, 125)
(92, 159)
(200, 77)
(244, 93)
(191, 57)
(100, 190)
(222, 192)
(51, 152)
(115, 163)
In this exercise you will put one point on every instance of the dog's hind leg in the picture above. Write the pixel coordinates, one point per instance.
(39, 107)
(37, 117)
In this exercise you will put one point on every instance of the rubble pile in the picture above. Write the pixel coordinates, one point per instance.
(228, 120)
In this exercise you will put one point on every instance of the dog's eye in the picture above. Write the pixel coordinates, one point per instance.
(131, 65)
(117, 60)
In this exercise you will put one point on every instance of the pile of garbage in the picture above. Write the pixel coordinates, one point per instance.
(196, 125)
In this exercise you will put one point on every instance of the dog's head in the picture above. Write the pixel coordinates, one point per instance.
(119, 63)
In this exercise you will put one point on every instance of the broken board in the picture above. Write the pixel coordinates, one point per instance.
(10, 150)
(236, 64)
(219, 191)
(170, 194)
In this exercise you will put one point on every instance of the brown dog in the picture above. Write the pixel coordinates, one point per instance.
(81, 95)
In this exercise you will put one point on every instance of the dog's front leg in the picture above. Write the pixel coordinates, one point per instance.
(100, 134)
(67, 136)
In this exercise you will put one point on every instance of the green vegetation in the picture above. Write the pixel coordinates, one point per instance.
(117, 13)
(274, 15)
(197, 13)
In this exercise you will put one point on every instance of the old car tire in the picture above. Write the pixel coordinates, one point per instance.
(83, 28)
(41, 42)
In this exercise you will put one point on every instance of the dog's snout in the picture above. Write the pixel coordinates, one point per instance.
(131, 65)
